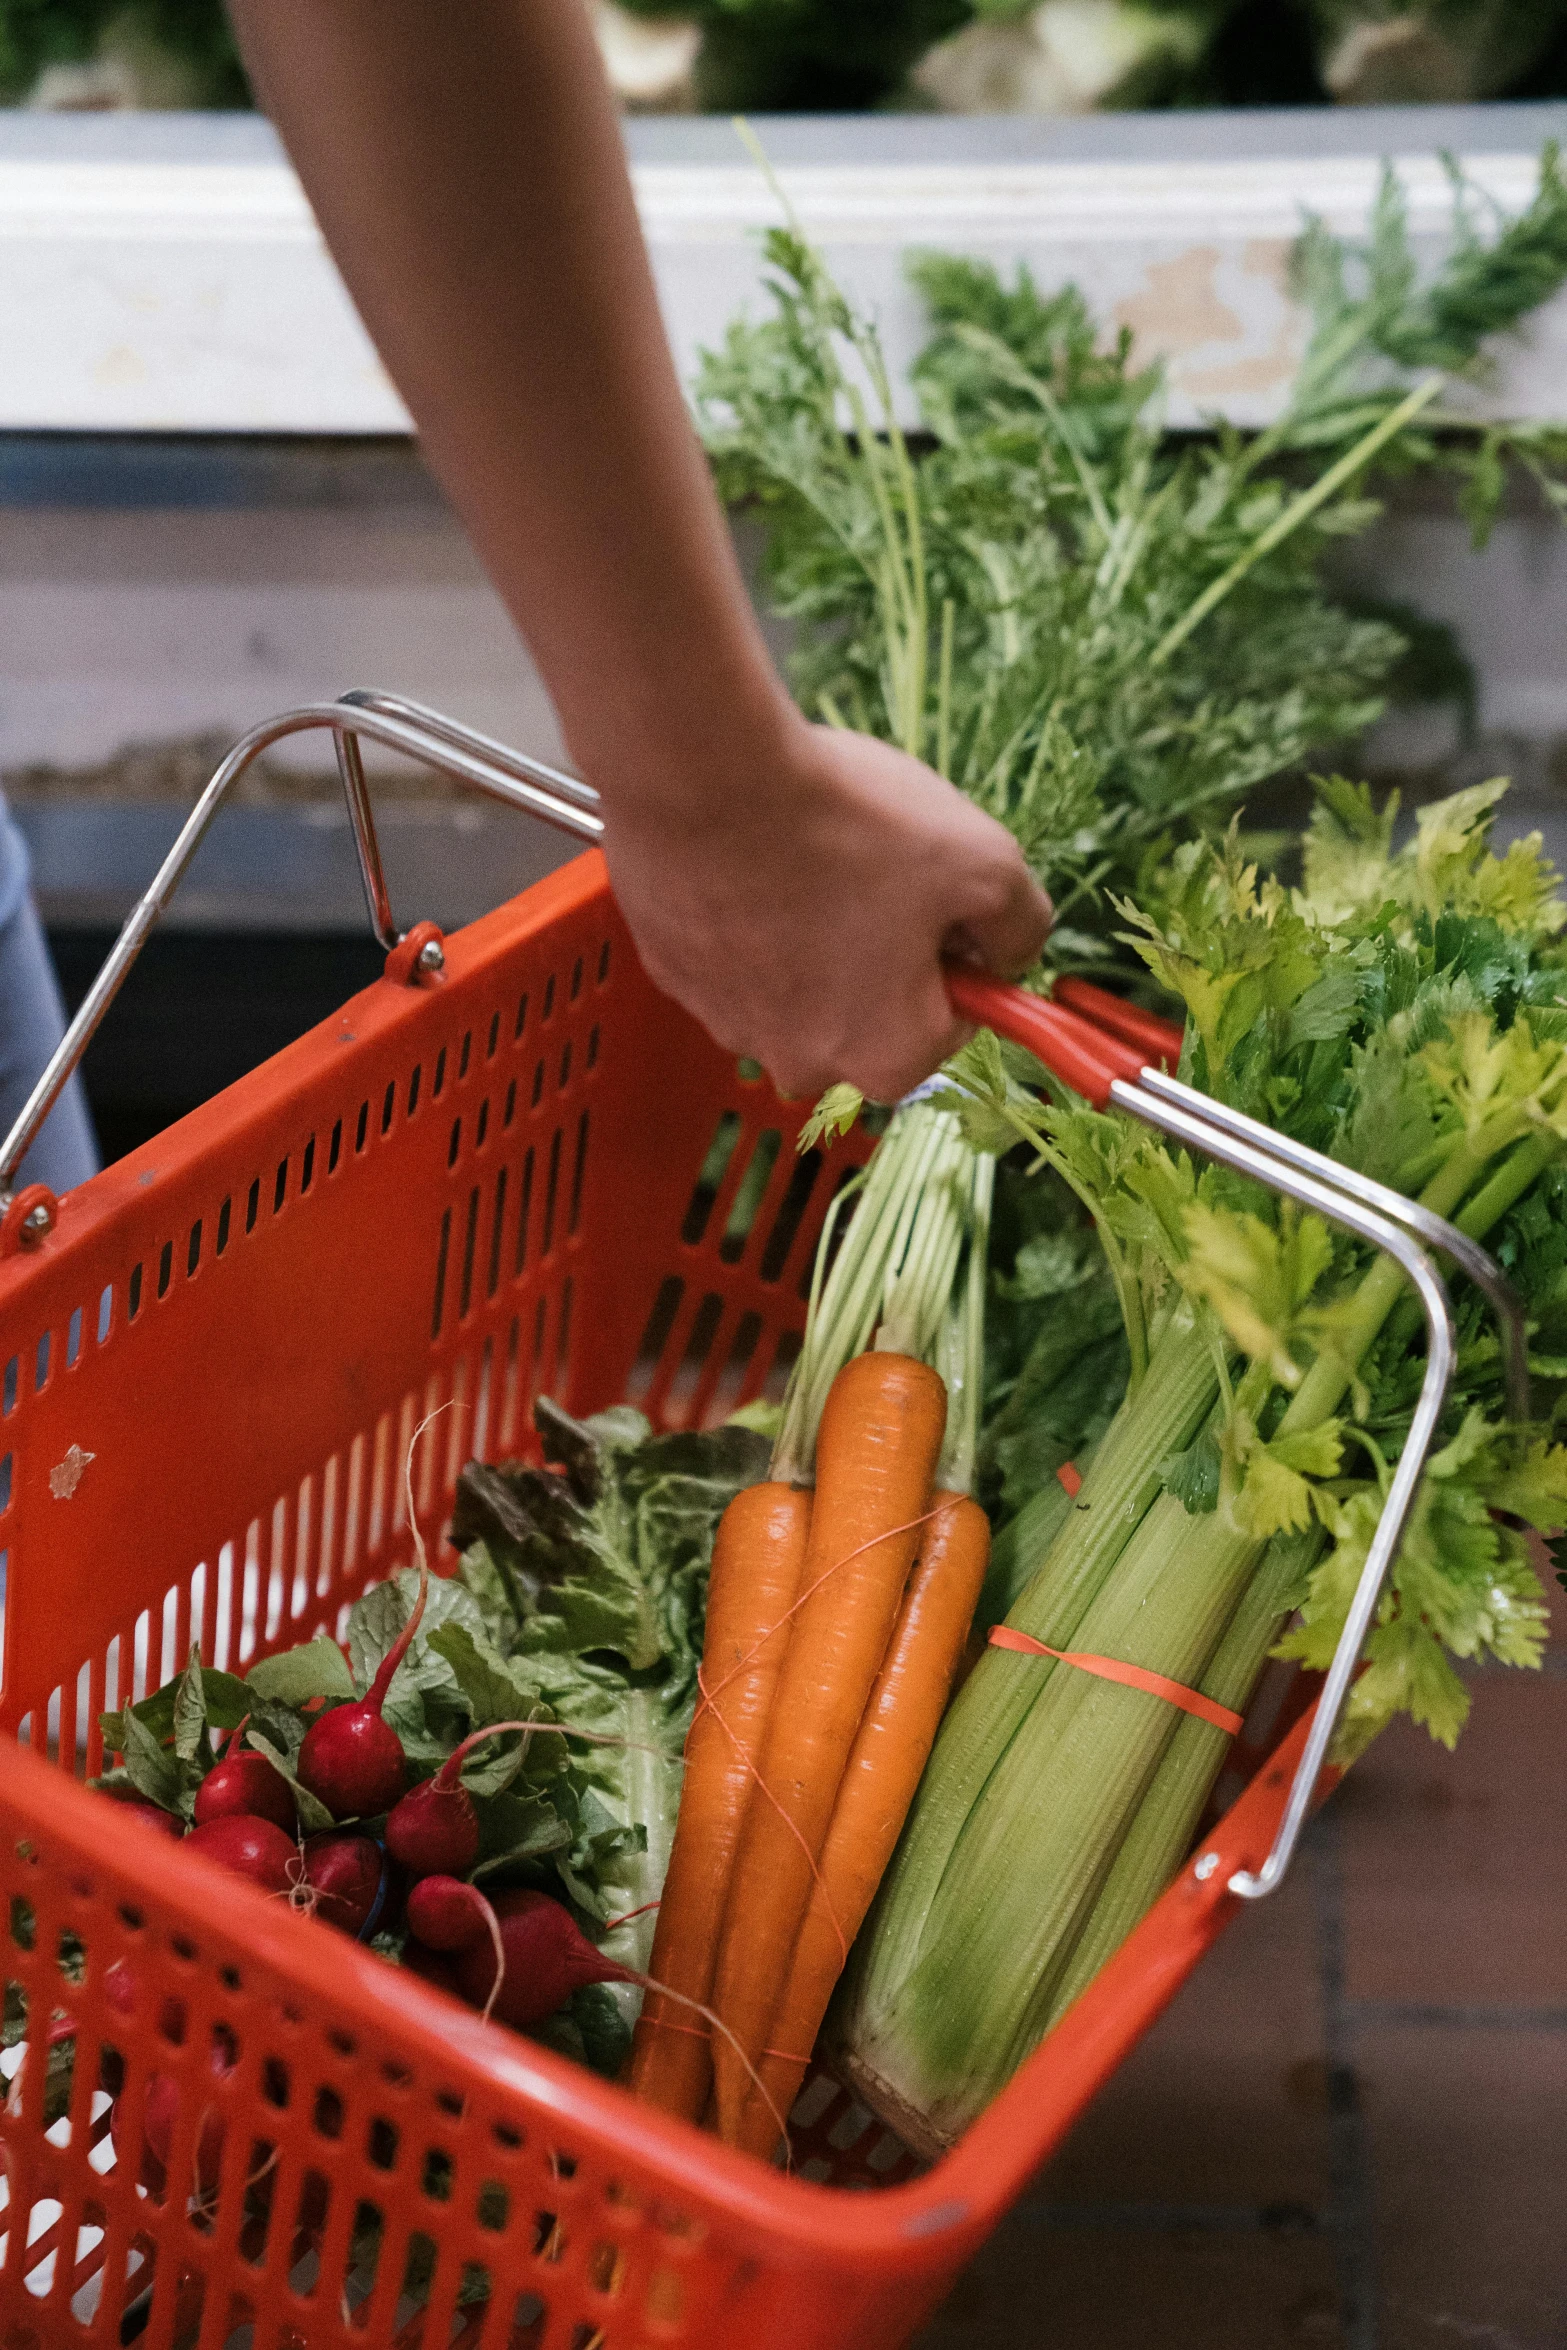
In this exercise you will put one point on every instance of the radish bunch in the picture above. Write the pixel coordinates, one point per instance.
(245, 1814)
(578, 1598)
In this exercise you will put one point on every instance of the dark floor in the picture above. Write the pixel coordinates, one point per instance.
(1351, 2128)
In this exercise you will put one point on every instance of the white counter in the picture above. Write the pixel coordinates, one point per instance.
(164, 273)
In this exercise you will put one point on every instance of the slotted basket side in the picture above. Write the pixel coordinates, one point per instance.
(455, 1195)
(532, 1175)
(351, 2160)
(355, 2161)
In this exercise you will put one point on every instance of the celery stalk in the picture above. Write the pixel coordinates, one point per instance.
(1016, 1551)
(1040, 1770)
(999, 1934)
(997, 1699)
(1158, 1839)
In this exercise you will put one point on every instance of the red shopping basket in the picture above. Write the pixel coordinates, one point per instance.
(508, 1167)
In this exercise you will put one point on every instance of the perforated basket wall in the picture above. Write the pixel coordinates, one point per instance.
(530, 1174)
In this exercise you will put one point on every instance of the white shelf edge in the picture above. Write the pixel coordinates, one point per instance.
(151, 293)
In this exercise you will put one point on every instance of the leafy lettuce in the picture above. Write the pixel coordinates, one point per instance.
(590, 1579)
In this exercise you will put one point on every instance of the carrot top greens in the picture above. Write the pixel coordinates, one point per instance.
(1008, 594)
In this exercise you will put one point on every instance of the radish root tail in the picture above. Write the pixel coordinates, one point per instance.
(408, 1480)
(716, 2023)
(494, 1924)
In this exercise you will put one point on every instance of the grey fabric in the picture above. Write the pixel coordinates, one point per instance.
(32, 1020)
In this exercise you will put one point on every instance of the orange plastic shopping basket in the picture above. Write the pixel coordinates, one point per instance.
(480, 1181)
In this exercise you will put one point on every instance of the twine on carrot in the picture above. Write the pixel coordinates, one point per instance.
(792, 1825)
(708, 1697)
(798, 1602)
(626, 1917)
(662, 2023)
(1110, 1668)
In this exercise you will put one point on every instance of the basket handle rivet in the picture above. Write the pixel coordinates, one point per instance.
(419, 957)
(29, 1218)
(1205, 1867)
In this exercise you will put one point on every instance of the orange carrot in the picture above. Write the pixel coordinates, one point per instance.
(884, 1770)
(757, 1557)
(877, 1446)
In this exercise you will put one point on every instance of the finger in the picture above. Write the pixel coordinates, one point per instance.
(1007, 937)
(887, 1066)
(797, 1080)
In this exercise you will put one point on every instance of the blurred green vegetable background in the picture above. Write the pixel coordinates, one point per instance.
(958, 56)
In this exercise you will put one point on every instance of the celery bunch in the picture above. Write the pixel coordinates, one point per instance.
(1406, 1012)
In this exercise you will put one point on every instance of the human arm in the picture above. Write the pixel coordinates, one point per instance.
(792, 887)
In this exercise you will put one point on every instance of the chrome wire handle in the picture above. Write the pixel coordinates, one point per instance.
(398, 725)
(1319, 1182)
(1401, 1227)
(1436, 1232)
(1114, 1074)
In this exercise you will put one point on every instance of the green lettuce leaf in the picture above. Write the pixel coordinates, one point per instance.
(602, 1563)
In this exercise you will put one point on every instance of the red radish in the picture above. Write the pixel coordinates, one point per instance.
(119, 1989)
(160, 2115)
(542, 1958)
(431, 1966)
(342, 1880)
(246, 1783)
(160, 2111)
(257, 1849)
(450, 1916)
(435, 1830)
(121, 1992)
(151, 1815)
(352, 1760)
(546, 1959)
(446, 1914)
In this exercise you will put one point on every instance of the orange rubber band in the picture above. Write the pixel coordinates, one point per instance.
(1109, 1668)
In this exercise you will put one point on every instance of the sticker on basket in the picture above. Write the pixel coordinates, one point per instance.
(1109, 1668)
(66, 1475)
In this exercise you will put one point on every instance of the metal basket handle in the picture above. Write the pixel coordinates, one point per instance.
(1109, 1072)
(457, 751)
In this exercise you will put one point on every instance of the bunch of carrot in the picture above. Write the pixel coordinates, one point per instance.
(835, 1624)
